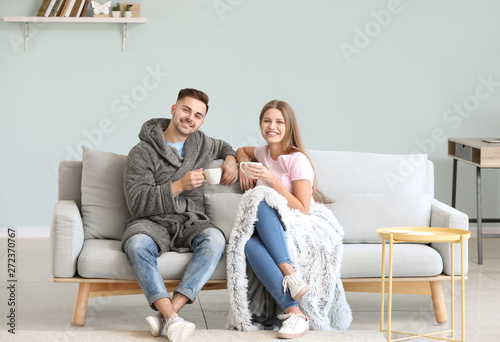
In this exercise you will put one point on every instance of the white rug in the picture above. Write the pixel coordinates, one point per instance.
(199, 336)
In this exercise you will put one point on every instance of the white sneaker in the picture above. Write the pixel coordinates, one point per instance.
(156, 324)
(295, 326)
(297, 286)
(179, 330)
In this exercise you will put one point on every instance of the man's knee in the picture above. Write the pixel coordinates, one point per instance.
(139, 243)
(213, 238)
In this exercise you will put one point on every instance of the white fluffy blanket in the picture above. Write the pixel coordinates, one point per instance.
(315, 246)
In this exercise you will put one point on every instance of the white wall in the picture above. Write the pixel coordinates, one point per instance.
(381, 76)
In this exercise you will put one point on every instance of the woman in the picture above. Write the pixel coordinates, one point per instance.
(284, 167)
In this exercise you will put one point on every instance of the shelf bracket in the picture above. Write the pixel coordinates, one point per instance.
(27, 37)
(124, 38)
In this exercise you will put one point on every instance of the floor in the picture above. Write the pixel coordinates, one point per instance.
(44, 305)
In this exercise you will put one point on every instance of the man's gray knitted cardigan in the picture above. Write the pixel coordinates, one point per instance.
(152, 165)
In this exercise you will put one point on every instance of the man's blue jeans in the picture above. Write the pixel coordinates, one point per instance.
(267, 249)
(142, 252)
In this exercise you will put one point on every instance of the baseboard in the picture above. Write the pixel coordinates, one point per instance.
(26, 232)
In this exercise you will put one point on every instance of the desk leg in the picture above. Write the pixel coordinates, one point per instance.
(454, 185)
(479, 217)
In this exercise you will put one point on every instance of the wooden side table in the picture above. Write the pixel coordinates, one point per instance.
(481, 154)
(423, 235)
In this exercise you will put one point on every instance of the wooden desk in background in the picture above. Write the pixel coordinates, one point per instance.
(483, 155)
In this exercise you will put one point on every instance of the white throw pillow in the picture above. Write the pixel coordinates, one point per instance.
(104, 208)
(362, 214)
(222, 209)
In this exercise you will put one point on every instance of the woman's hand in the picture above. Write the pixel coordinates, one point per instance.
(255, 171)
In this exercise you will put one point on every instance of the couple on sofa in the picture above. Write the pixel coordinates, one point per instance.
(164, 190)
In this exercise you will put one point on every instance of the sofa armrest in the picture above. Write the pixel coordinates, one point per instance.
(443, 215)
(66, 233)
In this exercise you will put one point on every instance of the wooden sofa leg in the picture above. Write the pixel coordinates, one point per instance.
(82, 299)
(438, 302)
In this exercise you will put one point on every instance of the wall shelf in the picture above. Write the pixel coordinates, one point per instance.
(93, 20)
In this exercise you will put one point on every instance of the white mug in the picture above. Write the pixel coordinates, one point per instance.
(243, 169)
(212, 176)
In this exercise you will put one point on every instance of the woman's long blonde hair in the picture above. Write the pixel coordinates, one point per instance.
(292, 141)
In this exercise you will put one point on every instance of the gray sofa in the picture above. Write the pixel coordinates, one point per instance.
(369, 191)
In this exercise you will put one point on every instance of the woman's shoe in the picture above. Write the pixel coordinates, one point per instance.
(297, 286)
(295, 326)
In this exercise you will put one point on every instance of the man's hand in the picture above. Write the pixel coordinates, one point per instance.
(191, 180)
(246, 183)
(229, 170)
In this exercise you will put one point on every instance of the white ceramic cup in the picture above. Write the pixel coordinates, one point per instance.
(243, 168)
(213, 176)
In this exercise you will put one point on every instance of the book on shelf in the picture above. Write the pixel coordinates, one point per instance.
(76, 9)
(68, 8)
(84, 9)
(43, 8)
(63, 8)
(55, 9)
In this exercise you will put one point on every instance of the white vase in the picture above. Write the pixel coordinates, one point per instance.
(128, 14)
(116, 14)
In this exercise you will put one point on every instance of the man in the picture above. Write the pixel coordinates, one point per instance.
(163, 187)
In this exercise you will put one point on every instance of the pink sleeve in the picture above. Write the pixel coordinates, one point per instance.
(300, 168)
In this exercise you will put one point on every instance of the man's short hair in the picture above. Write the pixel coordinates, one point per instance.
(197, 94)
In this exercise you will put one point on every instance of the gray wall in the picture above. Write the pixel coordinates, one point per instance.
(380, 76)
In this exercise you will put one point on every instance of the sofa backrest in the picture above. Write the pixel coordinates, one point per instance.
(360, 172)
(371, 191)
(96, 185)
(70, 181)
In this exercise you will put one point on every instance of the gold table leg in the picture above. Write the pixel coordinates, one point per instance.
(382, 290)
(389, 300)
(389, 303)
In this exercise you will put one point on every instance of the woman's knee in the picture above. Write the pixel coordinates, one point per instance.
(265, 208)
(252, 247)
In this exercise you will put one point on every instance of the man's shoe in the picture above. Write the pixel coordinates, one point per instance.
(294, 326)
(297, 286)
(156, 324)
(179, 330)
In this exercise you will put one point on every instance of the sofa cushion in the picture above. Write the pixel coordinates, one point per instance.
(339, 171)
(409, 260)
(104, 259)
(362, 214)
(222, 209)
(104, 208)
